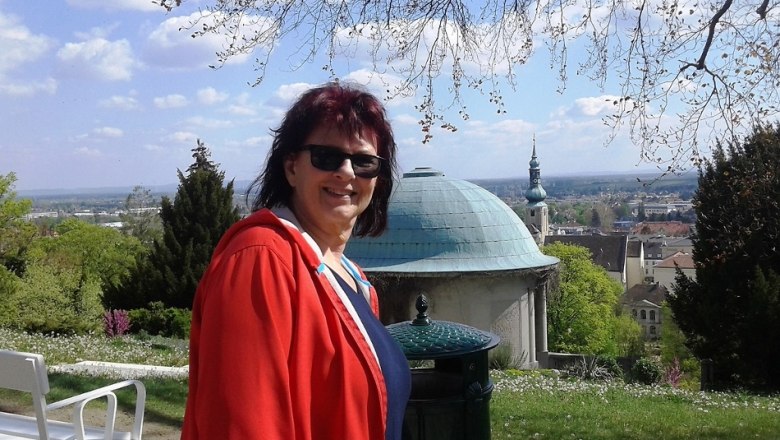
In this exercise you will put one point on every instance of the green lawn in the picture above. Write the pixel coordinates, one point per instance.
(532, 406)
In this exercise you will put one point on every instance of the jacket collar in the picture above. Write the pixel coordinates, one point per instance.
(286, 217)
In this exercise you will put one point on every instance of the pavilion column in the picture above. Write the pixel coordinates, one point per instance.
(540, 300)
(531, 329)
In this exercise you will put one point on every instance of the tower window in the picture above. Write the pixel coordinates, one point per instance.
(652, 315)
(643, 314)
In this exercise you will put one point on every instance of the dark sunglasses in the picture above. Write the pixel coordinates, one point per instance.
(327, 158)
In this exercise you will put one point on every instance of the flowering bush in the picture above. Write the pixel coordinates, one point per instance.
(673, 374)
(116, 322)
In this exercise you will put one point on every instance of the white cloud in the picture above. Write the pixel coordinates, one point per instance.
(210, 96)
(18, 45)
(243, 105)
(590, 107)
(99, 59)
(88, 152)
(171, 44)
(210, 123)
(120, 103)
(117, 5)
(385, 86)
(502, 132)
(49, 85)
(97, 32)
(181, 137)
(290, 92)
(109, 132)
(171, 101)
(597, 106)
(258, 141)
(241, 110)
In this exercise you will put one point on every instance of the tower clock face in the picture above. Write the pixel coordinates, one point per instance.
(536, 180)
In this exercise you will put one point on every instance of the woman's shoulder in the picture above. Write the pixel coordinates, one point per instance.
(264, 233)
(259, 229)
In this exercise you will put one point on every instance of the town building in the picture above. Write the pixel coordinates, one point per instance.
(644, 302)
(635, 263)
(666, 270)
(607, 251)
(672, 228)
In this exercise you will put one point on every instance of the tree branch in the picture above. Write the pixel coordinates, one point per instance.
(711, 35)
(763, 9)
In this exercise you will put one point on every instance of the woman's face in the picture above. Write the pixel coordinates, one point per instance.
(329, 202)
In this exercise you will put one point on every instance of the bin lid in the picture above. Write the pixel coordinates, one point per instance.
(424, 338)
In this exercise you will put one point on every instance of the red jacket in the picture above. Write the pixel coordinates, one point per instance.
(274, 352)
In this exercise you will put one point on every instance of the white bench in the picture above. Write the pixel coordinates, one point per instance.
(27, 372)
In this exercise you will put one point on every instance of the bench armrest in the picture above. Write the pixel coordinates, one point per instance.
(81, 400)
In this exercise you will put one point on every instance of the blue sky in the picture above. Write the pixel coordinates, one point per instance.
(97, 93)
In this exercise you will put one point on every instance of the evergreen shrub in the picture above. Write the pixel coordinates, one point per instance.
(159, 320)
(611, 364)
(646, 371)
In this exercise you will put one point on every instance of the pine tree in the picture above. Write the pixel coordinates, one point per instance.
(193, 223)
(595, 218)
(731, 312)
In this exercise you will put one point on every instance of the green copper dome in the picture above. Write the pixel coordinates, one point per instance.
(536, 195)
(439, 225)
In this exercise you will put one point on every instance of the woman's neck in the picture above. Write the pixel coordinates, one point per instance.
(331, 242)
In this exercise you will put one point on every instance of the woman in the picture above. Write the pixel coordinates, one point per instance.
(285, 342)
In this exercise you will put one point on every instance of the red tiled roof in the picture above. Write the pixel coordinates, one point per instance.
(684, 261)
(655, 293)
(671, 228)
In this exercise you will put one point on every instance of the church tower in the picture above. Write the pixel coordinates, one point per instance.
(537, 219)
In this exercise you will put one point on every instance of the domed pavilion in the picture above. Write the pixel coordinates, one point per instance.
(469, 253)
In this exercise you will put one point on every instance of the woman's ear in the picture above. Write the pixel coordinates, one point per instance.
(290, 164)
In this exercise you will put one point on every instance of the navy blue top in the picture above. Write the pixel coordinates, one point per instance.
(395, 368)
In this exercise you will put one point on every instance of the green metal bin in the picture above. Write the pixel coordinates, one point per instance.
(450, 401)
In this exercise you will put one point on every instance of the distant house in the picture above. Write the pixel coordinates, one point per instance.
(653, 256)
(673, 245)
(635, 262)
(623, 225)
(666, 270)
(657, 208)
(608, 251)
(36, 215)
(569, 229)
(644, 302)
(669, 229)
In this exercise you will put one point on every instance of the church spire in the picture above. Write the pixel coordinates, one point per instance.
(535, 192)
(537, 219)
